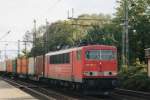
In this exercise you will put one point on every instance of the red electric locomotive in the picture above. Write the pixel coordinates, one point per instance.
(92, 68)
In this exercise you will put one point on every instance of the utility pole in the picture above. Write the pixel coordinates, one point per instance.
(18, 48)
(125, 38)
(25, 43)
(126, 31)
(34, 37)
(5, 51)
(0, 55)
(72, 12)
(34, 34)
(46, 37)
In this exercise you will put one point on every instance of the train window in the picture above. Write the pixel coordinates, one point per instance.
(67, 60)
(64, 58)
(79, 55)
(57, 59)
(100, 54)
(50, 60)
(115, 55)
(106, 54)
(60, 59)
(93, 54)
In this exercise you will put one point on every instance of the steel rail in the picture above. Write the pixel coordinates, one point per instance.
(139, 94)
(48, 93)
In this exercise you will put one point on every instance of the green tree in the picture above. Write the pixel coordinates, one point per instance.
(101, 35)
(63, 34)
(139, 24)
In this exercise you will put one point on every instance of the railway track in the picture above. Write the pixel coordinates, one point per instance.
(137, 95)
(45, 93)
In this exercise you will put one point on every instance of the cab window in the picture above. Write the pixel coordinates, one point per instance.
(100, 54)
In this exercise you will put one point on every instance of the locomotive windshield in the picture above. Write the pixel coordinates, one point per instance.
(100, 54)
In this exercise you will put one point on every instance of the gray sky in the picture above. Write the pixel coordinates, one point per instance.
(18, 15)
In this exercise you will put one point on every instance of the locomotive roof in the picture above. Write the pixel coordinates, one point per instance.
(63, 51)
(74, 49)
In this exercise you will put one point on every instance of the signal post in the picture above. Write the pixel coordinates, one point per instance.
(147, 56)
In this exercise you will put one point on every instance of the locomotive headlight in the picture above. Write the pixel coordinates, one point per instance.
(87, 65)
(110, 73)
(91, 73)
(90, 65)
(96, 73)
(85, 73)
(100, 63)
(115, 73)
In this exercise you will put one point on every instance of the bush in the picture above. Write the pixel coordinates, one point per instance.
(135, 77)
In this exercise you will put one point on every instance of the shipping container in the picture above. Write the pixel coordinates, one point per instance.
(9, 67)
(22, 65)
(39, 69)
(14, 64)
(2, 66)
(31, 66)
(19, 66)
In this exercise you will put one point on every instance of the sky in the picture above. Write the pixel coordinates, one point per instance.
(17, 16)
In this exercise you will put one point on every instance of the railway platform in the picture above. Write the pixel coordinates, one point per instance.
(9, 92)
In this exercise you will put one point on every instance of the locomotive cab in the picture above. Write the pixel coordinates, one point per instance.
(100, 67)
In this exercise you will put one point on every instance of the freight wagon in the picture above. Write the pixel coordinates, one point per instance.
(14, 66)
(2, 67)
(36, 68)
(9, 66)
(22, 67)
(31, 68)
(39, 69)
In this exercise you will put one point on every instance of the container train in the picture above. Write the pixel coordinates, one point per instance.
(92, 68)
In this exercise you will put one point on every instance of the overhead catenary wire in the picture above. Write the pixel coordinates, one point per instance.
(10, 50)
(25, 42)
(54, 5)
(5, 35)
